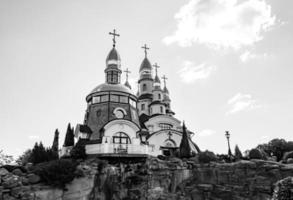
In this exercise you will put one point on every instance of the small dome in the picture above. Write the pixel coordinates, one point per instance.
(165, 90)
(105, 87)
(113, 55)
(157, 79)
(127, 84)
(145, 65)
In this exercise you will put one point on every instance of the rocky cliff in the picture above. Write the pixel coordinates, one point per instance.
(153, 179)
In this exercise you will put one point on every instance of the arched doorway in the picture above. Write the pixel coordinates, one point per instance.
(121, 141)
(169, 147)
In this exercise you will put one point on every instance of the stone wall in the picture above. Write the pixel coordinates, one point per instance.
(154, 179)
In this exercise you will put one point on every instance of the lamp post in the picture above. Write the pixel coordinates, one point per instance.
(228, 140)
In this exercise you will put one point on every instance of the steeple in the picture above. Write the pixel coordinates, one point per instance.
(165, 90)
(113, 63)
(126, 82)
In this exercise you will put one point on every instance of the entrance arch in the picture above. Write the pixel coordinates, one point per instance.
(121, 141)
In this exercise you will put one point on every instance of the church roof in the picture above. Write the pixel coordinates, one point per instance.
(113, 55)
(165, 90)
(105, 87)
(145, 64)
(145, 96)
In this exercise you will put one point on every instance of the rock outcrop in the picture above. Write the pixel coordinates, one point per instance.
(154, 179)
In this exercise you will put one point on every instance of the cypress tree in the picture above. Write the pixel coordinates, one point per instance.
(238, 154)
(185, 150)
(69, 137)
(55, 145)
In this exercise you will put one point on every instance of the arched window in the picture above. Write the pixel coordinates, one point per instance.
(121, 138)
(159, 96)
(144, 87)
(142, 106)
(161, 109)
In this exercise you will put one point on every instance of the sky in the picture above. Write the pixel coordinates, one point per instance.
(228, 63)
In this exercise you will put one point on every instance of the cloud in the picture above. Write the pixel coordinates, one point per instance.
(247, 56)
(190, 73)
(33, 137)
(206, 132)
(222, 23)
(242, 102)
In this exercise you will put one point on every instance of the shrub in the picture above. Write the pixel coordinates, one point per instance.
(78, 152)
(288, 155)
(57, 172)
(256, 154)
(206, 157)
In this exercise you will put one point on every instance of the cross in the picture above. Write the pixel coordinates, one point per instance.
(127, 72)
(145, 49)
(156, 66)
(164, 78)
(114, 35)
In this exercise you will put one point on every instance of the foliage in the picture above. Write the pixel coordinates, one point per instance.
(206, 157)
(78, 152)
(55, 145)
(185, 150)
(5, 159)
(255, 154)
(57, 172)
(24, 158)
(276, 147)
(283, 189)
(288, 155)
(237, 153)
(69, 137)
(224, 157)
(41, 154)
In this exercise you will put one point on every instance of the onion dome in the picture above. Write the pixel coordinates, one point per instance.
(166, 97)
(111, 87)
(113, 59)
(157, 79)
(165, 90)
(145, 65)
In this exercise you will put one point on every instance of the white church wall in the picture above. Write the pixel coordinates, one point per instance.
(120, 127)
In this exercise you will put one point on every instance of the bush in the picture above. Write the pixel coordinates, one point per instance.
(57, 172)
(206, 157)
(256, 154)
(78, 152)
(288, 155)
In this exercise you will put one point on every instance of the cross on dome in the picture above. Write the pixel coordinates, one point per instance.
(156, 66)
(127, 72)
(145, 47)
(164, 78)
(114, 35)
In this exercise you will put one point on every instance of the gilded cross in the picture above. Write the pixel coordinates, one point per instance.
(114, 35)
(145, 47)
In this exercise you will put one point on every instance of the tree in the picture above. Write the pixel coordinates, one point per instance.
(238, 154)
(55, 145)
(24, 158)
(5, 159)
(184, 148)
(69, 137)
(78, 152)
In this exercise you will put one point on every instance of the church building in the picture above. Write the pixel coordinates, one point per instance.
(118, 122)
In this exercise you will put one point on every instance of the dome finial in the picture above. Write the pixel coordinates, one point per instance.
(156, 66)
(164, 78)
(126, 82)
(145, 47)
(114, 35)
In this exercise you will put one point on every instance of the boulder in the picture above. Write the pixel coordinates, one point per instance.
(17, 172)
(11, 181)
(33, 178)
(3, 172)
